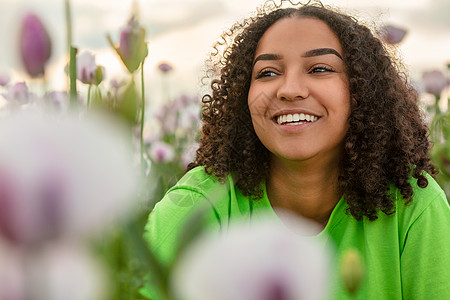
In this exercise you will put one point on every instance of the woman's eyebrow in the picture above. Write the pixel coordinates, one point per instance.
(267, 56)
(309, 53)
(321, 51)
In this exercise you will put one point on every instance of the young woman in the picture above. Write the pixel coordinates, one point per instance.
(309, 113)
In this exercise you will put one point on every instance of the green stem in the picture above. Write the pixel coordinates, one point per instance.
(436, 105)
(73, 76)
(89, 96)
(142, 116)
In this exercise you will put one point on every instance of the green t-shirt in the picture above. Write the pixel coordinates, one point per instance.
(406, 255)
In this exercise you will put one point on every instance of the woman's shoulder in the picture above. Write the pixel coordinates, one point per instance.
(196, 177)
(198, 181)
(431, 197)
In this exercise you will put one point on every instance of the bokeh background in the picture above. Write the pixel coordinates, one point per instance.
(181, 33)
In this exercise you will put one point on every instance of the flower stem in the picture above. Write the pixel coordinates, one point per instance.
(141, 140)
(73, 75)
(89, 96)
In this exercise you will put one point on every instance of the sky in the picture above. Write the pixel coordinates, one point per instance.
(181, 32)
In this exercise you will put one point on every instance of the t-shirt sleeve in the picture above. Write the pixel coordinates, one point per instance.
(164, 226)
(425, 261)
(167, 219)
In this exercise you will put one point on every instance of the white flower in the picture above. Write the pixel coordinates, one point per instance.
(19, 93)
(87, 70)
(65, 271)
(61, 270)
(62, 176)
(161, 152)
(261, 261)
(12, 285)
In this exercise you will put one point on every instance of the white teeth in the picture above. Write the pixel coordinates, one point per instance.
(295, 119)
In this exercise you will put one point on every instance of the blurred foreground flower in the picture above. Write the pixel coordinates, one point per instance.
(392, 34)
(132, 48)
(260, 261)
(88, 71)
(352, 270)
(434, 82)
(35, 45)
(56, 271)
(62, 177)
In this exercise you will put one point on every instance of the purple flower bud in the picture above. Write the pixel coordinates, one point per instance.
(35, 45)
(165, 67)
(132, 46)
(434, 82)
(392, 35)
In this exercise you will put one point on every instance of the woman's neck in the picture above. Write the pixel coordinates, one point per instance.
(309, 190)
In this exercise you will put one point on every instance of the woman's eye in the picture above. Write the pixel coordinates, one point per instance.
(321, 69)
(266, 73)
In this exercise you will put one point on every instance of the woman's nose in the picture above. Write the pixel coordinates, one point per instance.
(293, 87)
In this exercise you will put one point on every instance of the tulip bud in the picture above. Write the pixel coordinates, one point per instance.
(132, 48)
(352, 270)
(35, 45)
(434, 82)
(88, 71)
(392, 35)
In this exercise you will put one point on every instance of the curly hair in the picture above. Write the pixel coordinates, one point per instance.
(387, 140)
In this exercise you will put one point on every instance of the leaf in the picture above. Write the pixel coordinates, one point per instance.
(128, 103)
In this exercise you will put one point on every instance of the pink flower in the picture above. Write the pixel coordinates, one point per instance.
(161, 152)
(392, 34)
(165, 67)
(434, 82)
(35, 45)
(88, 71)
(132, 48)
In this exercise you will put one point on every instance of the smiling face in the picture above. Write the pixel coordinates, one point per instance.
(299, 97)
